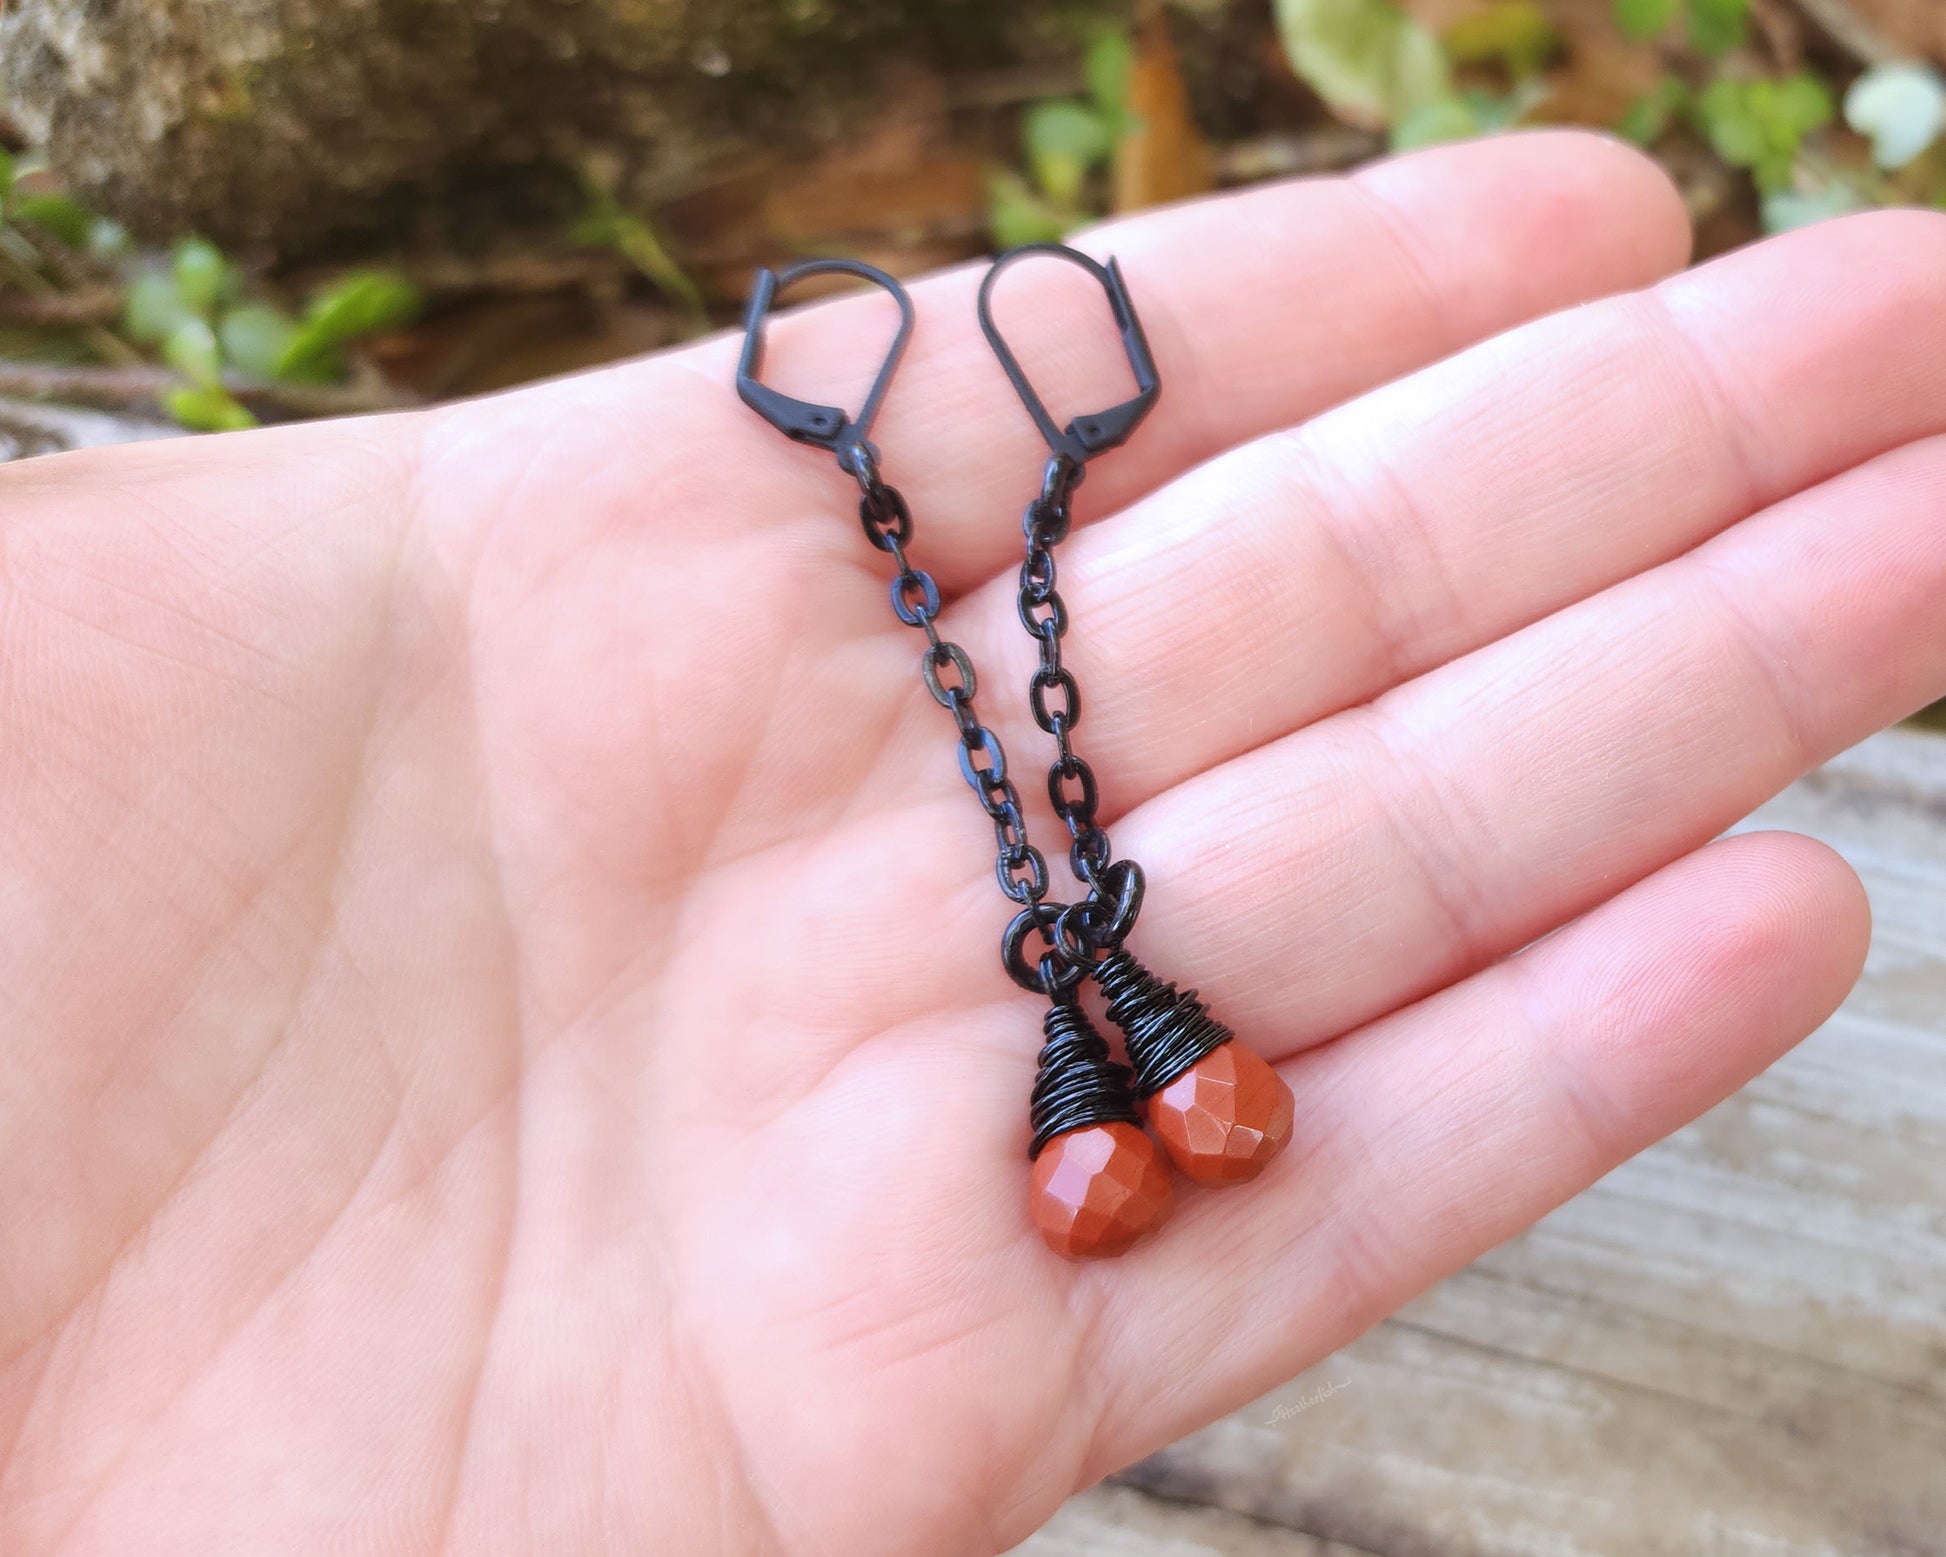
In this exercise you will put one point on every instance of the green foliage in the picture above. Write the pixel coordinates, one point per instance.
(1760, 123)
(1512, 34)
(203, 276)
(1463, 115)
(206, 408)
(1016, 215)
(1371, 63)
(1651, 114)
(152, 307)
(360, 303)
(1107, 67)
(1713, 27)
(1374, 65)
(194, 314)
(68, 222)
(256, 338)
(604, 224)
(1717, 26)
(1646, 19)
(1065, 141)
(192, 351)
(1901, 108)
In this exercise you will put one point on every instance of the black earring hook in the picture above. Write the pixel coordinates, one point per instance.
(825, 426)
(1091, 433)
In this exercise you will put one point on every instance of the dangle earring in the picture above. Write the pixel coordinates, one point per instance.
(1219, 1110)
(1097, 1184)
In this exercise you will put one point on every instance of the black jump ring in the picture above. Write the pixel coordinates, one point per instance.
(1051, 974)
(1125, 880)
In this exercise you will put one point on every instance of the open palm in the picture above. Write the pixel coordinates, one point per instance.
(504, 1048)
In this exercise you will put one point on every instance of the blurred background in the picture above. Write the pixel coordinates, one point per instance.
(215, 215)
(267, 209)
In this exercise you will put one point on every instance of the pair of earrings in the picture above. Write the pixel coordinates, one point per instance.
(1218, 1110)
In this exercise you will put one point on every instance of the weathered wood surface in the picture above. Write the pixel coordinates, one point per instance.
(1735, 1344)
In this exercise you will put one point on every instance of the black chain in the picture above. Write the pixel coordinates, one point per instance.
(947, 670)
(1053, 695)
(1071, 936)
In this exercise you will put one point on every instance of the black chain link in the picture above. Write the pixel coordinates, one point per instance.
(1071, 786)
(1019, 867)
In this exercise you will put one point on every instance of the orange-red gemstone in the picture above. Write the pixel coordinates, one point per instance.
(1225, 1117)
(1098, 1189)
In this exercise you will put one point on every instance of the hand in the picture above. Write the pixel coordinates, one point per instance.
(505, 1049)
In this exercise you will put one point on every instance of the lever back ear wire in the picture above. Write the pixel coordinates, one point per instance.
(1091, 433)
(804, 421)
(1220, 1112)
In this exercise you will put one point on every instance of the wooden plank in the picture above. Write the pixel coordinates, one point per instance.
(1734, 1344)
(1112, 1521)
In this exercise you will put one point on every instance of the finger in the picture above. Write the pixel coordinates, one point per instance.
(1384, 852)
(1439, 1132)
(1261, 307)
(1309, 571)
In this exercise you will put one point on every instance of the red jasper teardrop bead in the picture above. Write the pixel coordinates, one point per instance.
(1098, 1189)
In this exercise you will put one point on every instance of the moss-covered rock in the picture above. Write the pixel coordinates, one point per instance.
(292, 122)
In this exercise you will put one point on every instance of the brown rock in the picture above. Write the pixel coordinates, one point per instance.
(297, 123)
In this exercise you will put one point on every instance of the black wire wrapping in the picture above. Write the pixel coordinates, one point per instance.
(1077, 1083)
(1166, 1030)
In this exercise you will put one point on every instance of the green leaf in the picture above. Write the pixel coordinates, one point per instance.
(6, 175)
(1645, 19)
(1760, 123)
(603, 224)
(1065, 142)
(1448, 119)
(362, 302)
(1647, 118)
(59, 217)
(203, 276)
(1016, 215)
(1107, 67)
(1515, 34)
(1901, 107)
(1717, 26)
(192, 351)
(639, 243)
(255, 337)
(204, 408)
(1371, 63)
(1466, 114)
(152, 308)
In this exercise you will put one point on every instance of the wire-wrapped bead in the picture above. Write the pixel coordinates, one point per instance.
(1078, 1082)
(1167, 1030)
(1098, 1182)
(1219, 1111)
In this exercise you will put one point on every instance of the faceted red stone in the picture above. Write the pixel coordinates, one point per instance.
(1225, 1117)
(1098, 1189)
